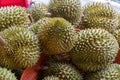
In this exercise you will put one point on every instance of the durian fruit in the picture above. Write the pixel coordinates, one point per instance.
(99, 15)
(63, 71)
(38, 11)
(39, 23)
(57, 36)
(68, 9)
(51, 78)
(13, 16)
(112, 72)
(5, 62)
(6, 74)
(116, 33)
(22, 47)
(94, 50)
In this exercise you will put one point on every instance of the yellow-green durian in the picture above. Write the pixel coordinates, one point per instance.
(13, 16)
(38, 11)
(94, 50)
(57, 36)
(6, 74)
(39, 23)
(99, 15)
(68, 9)
(64, 71)
(22, 47)
(112, 72)
(51, 78)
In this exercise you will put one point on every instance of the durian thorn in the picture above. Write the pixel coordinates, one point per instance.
(31, 19)
(48, 14)
(2, 42)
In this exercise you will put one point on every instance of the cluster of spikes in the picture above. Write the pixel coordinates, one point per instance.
(81, 42)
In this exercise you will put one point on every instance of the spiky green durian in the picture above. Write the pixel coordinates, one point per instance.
(39, 23)
(99, 15)
(6, 74)
(13, 16)
(22, 46)
(94, 50)
(57, 36)
(112, 72)
(38, 11)
(68, 9)
(64, 71)
(51, 78)
(5, 62)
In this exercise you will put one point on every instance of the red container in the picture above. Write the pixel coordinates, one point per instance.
(23, 3)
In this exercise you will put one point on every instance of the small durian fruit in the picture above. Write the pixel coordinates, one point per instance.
(13, 16)
(6, 74)
(99, 15)
(39, 23)
(68, 9)
(94, 50)
(57, 36)
(112, 72)
(51, 78)
(64, 71)
(5, 62)
(38, 11)
(116, 33)
(22, 47)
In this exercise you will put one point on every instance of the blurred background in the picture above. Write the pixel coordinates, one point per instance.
(114, 3)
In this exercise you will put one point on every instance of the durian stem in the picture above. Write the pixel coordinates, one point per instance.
(2, 42)
(48, 14)
(31, 19)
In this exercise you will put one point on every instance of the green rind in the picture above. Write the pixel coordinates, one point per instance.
(51, 78)
(64, 71)
(38, 11)
(99, 15)
(13, 16)
(112, 72)
(94, 50)
(68, 9)
(57, 36)
(22, 47)
(6, 74)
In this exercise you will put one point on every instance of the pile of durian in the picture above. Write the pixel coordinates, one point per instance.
(81, 42)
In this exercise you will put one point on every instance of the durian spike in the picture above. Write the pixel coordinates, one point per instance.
(31, 19)
(2, 42)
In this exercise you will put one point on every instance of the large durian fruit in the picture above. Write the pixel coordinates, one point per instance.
(99, 15)
(6, 74)
(22, 47)
(112, 72)
(94, 50)
(51, 78)
(68, 9)
(57, 36)
(39, 23)
(38, 11)
(13, 16)
(63, 71)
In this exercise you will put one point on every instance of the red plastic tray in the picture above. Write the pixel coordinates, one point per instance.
(23, 3)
